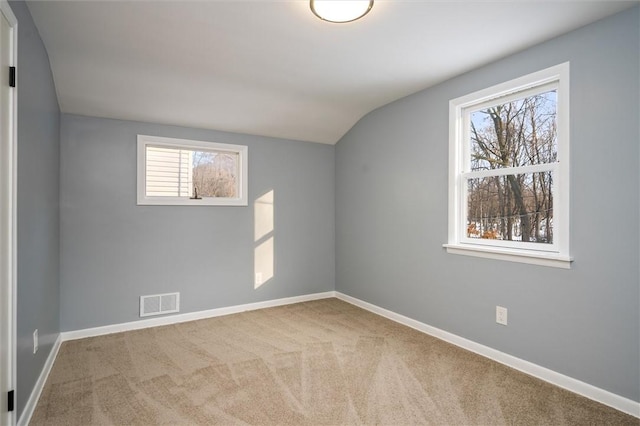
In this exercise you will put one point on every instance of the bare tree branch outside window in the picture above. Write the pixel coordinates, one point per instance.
(215, 174)
(519, 206)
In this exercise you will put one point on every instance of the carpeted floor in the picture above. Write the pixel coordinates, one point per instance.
(321, 362)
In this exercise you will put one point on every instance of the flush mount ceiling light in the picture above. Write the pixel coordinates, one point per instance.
(340, 10)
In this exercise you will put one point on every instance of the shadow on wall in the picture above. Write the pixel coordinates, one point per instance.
(263, 238)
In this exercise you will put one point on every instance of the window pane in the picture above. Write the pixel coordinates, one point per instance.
(176, 172)
(511, 207)
(518, 133)
(215, 174)
(168, 172)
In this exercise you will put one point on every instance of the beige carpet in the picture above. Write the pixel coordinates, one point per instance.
(321, 362)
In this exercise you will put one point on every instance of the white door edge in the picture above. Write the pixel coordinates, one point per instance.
(8, 191)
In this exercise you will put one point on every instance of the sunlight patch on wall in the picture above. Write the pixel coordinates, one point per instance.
(263, 210)
(263, 237)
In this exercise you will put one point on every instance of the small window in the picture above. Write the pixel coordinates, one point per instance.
(508, 179)
(185, 172)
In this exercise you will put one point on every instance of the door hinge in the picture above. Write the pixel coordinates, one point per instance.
(10, 398)
(12, 76)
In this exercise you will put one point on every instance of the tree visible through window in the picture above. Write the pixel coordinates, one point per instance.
(215, 174)
(514, 207)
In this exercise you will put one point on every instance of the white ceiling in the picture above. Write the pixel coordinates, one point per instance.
(271, 67)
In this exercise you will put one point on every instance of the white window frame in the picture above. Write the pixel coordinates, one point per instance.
(144, 141)
(555, 254)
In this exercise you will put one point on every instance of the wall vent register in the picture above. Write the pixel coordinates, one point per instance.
(159, 304)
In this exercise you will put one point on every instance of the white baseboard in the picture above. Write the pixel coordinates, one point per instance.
(30, 407)
(581, 388)
(191, 316)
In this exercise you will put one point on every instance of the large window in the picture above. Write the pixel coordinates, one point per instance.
(509, 170)
(185, 172)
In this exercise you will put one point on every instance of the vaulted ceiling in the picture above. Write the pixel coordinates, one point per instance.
(270, 67)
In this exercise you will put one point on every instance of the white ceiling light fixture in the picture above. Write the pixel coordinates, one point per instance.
(340, 11)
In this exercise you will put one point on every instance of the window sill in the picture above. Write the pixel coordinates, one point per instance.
(522, 256)
(201, 202)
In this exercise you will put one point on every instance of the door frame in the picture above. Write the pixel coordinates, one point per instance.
(8, 250)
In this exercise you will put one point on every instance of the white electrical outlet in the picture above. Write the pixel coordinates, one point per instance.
(35, 341)
(258, 278)
(501, 315)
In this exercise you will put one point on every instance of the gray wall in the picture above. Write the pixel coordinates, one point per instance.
(38, 198)
(113, 251)
(391, 218)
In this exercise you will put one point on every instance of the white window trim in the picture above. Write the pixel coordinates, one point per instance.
(558, 254)
(145, 140)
